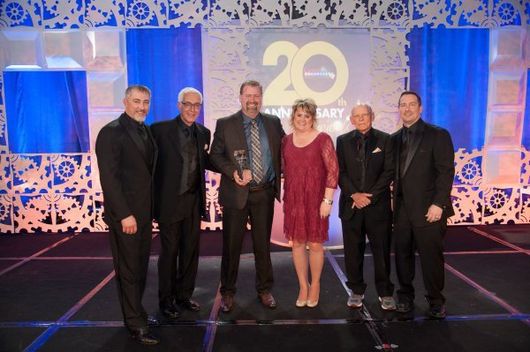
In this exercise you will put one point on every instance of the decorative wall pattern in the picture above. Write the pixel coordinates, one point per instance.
(61, 192)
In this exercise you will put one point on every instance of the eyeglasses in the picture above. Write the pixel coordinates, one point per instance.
(189, 106)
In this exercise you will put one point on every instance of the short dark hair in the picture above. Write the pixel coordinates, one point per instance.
(250, 83)
(410, 92)
(139, 88)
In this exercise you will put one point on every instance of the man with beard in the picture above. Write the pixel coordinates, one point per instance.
(246, 151)
(126, 159)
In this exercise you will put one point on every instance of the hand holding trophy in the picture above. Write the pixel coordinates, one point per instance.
(243, 175)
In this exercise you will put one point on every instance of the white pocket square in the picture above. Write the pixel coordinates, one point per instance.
(206, 147)
(377, 150)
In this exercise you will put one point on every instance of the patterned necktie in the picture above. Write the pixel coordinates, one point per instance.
(257, 167)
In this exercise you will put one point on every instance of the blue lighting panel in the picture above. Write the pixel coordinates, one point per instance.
(48, 111)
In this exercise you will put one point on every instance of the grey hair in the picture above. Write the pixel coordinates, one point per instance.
(367, 106)
(187, 90)
(139, 88)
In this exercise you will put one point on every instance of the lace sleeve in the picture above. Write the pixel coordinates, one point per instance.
(330, 162)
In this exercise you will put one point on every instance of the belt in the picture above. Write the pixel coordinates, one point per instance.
(261, 187)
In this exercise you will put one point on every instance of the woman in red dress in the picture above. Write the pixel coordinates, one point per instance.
(311, 174)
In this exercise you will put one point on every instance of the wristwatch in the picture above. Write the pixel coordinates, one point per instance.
(328, 201)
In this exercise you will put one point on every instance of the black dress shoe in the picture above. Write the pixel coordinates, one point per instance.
(267, 299)
(437, 311)
(144, 337)
(404, 307)
(170, 311)
(189, 304)
(152, 321)
(227, 303)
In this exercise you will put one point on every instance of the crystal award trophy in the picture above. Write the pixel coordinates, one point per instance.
(242, 161)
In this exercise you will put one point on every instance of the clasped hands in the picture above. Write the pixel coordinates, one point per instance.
(361, 200)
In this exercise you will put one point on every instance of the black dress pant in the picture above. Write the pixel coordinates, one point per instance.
(377, 227)
(260, 210)
(179, 254)
(428, 241)
(130, 254)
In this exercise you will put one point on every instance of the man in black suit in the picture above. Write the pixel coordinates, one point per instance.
(365, 173)
(180, 200)
(424, 172)
(246, 150)
(127, 155)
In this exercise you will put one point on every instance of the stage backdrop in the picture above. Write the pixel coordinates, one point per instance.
(66, 64)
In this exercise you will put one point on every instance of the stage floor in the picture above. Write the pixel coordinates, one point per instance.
(58, 294)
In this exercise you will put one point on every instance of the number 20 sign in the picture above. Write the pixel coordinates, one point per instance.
(278, 92)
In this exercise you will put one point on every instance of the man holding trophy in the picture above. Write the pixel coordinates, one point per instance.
(246, 151)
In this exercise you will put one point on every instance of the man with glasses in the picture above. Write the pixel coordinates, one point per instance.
(365, 172)
(424, 172)
(180, 200)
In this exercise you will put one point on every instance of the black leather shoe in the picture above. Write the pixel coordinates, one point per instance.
(152, 321)
(144, 337)
(267, 299)
(170, 311)
(227, 303)
(437, 311)
(189, 304)
(404, 307)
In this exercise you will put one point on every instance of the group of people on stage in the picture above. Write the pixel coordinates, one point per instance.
(158, 172)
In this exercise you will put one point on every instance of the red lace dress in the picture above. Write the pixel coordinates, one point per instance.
(308, 171)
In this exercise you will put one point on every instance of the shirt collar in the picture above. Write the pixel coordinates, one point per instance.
(247, 120)
(183, 126)
(132, 122)
(414, 127)
(365, 136)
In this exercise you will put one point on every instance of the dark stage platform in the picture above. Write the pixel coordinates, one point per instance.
(58, 294)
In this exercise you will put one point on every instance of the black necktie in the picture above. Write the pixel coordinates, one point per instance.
(148, 147)
(142, 132)
(361, 148)
(405, 144)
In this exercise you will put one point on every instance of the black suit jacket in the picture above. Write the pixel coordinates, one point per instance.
(428, 172)
(172, 169)
(229, 136)
(379, 172)
(126, 178)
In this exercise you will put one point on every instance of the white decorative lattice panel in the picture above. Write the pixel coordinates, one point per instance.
(105, 13)
(468, 167)
(53, 213)
(3, 132)
(6, 214)
(524, 215)
(71, 173)
(467, 204)
(98, 225)
(213, 220)
(501, 205)
(146, 13)
(31, 173)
